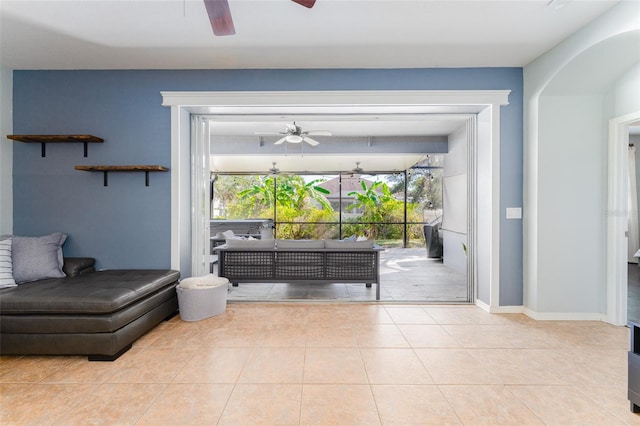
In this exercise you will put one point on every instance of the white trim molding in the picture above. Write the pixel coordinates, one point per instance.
(322, 99)
(542, 316)
(175, 187)
(343, 102)
(499, 309)
(564, 316)
(617, 214)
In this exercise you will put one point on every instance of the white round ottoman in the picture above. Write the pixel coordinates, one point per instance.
(202, 297)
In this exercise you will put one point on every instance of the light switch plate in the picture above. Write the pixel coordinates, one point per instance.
(514, 213)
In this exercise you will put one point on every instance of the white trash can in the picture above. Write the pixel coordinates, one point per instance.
(202, 297)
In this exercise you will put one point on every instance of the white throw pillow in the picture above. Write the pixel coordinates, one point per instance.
(6, 264)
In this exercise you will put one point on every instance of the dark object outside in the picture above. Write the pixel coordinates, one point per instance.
(633, 382)
(433, 239)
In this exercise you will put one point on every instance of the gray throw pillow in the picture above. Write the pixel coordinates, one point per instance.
(6, 264)
(300, 244)
(37, 258)
(251, 244)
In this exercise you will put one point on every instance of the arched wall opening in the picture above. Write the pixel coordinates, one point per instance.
(572, 169)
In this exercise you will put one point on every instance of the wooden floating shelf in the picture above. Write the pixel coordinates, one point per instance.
(135, 168)
(45, 139)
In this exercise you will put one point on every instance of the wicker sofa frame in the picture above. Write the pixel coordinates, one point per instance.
(320, 266)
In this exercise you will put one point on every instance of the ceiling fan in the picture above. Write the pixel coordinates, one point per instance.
(220, 15)
(357, 170)
(294, 134)
(274, 170)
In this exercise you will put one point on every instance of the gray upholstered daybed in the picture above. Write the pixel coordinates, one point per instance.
(86, 312)
(298, 261)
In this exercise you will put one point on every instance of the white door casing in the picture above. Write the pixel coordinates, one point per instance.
(343, 102)
(617, 212)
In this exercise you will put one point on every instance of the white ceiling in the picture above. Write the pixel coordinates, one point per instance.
(314, 163)
(301, 157)
(342, 125)
(176, 34)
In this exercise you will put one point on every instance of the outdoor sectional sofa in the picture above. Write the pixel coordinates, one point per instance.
(87, 312)
(300, 261)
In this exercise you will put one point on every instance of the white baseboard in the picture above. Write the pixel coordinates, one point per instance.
(542, 316)
(500, 309)
(565, 316)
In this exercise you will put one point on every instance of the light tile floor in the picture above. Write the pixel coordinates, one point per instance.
(336, 364)
(407, 275)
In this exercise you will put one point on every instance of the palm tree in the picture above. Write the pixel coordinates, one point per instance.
(260, 193)
(290, 191)
(298, 192)
(377, 204)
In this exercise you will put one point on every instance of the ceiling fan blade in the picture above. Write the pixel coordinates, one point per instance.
(280, 141)
(310, 141)
(305, 3)
(220, 17)
(267, 133)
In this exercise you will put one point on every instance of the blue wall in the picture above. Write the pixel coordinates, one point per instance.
(127, 225)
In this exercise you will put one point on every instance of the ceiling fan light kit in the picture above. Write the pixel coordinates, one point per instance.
(294, 138)
(274, 170)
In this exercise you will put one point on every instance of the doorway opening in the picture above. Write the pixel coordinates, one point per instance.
(190, 169)
(633, 275)
(617, 223)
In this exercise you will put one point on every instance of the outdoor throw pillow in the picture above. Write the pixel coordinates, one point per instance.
(251, 244)
(300, 244)
(37, 258)
(6, 264)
